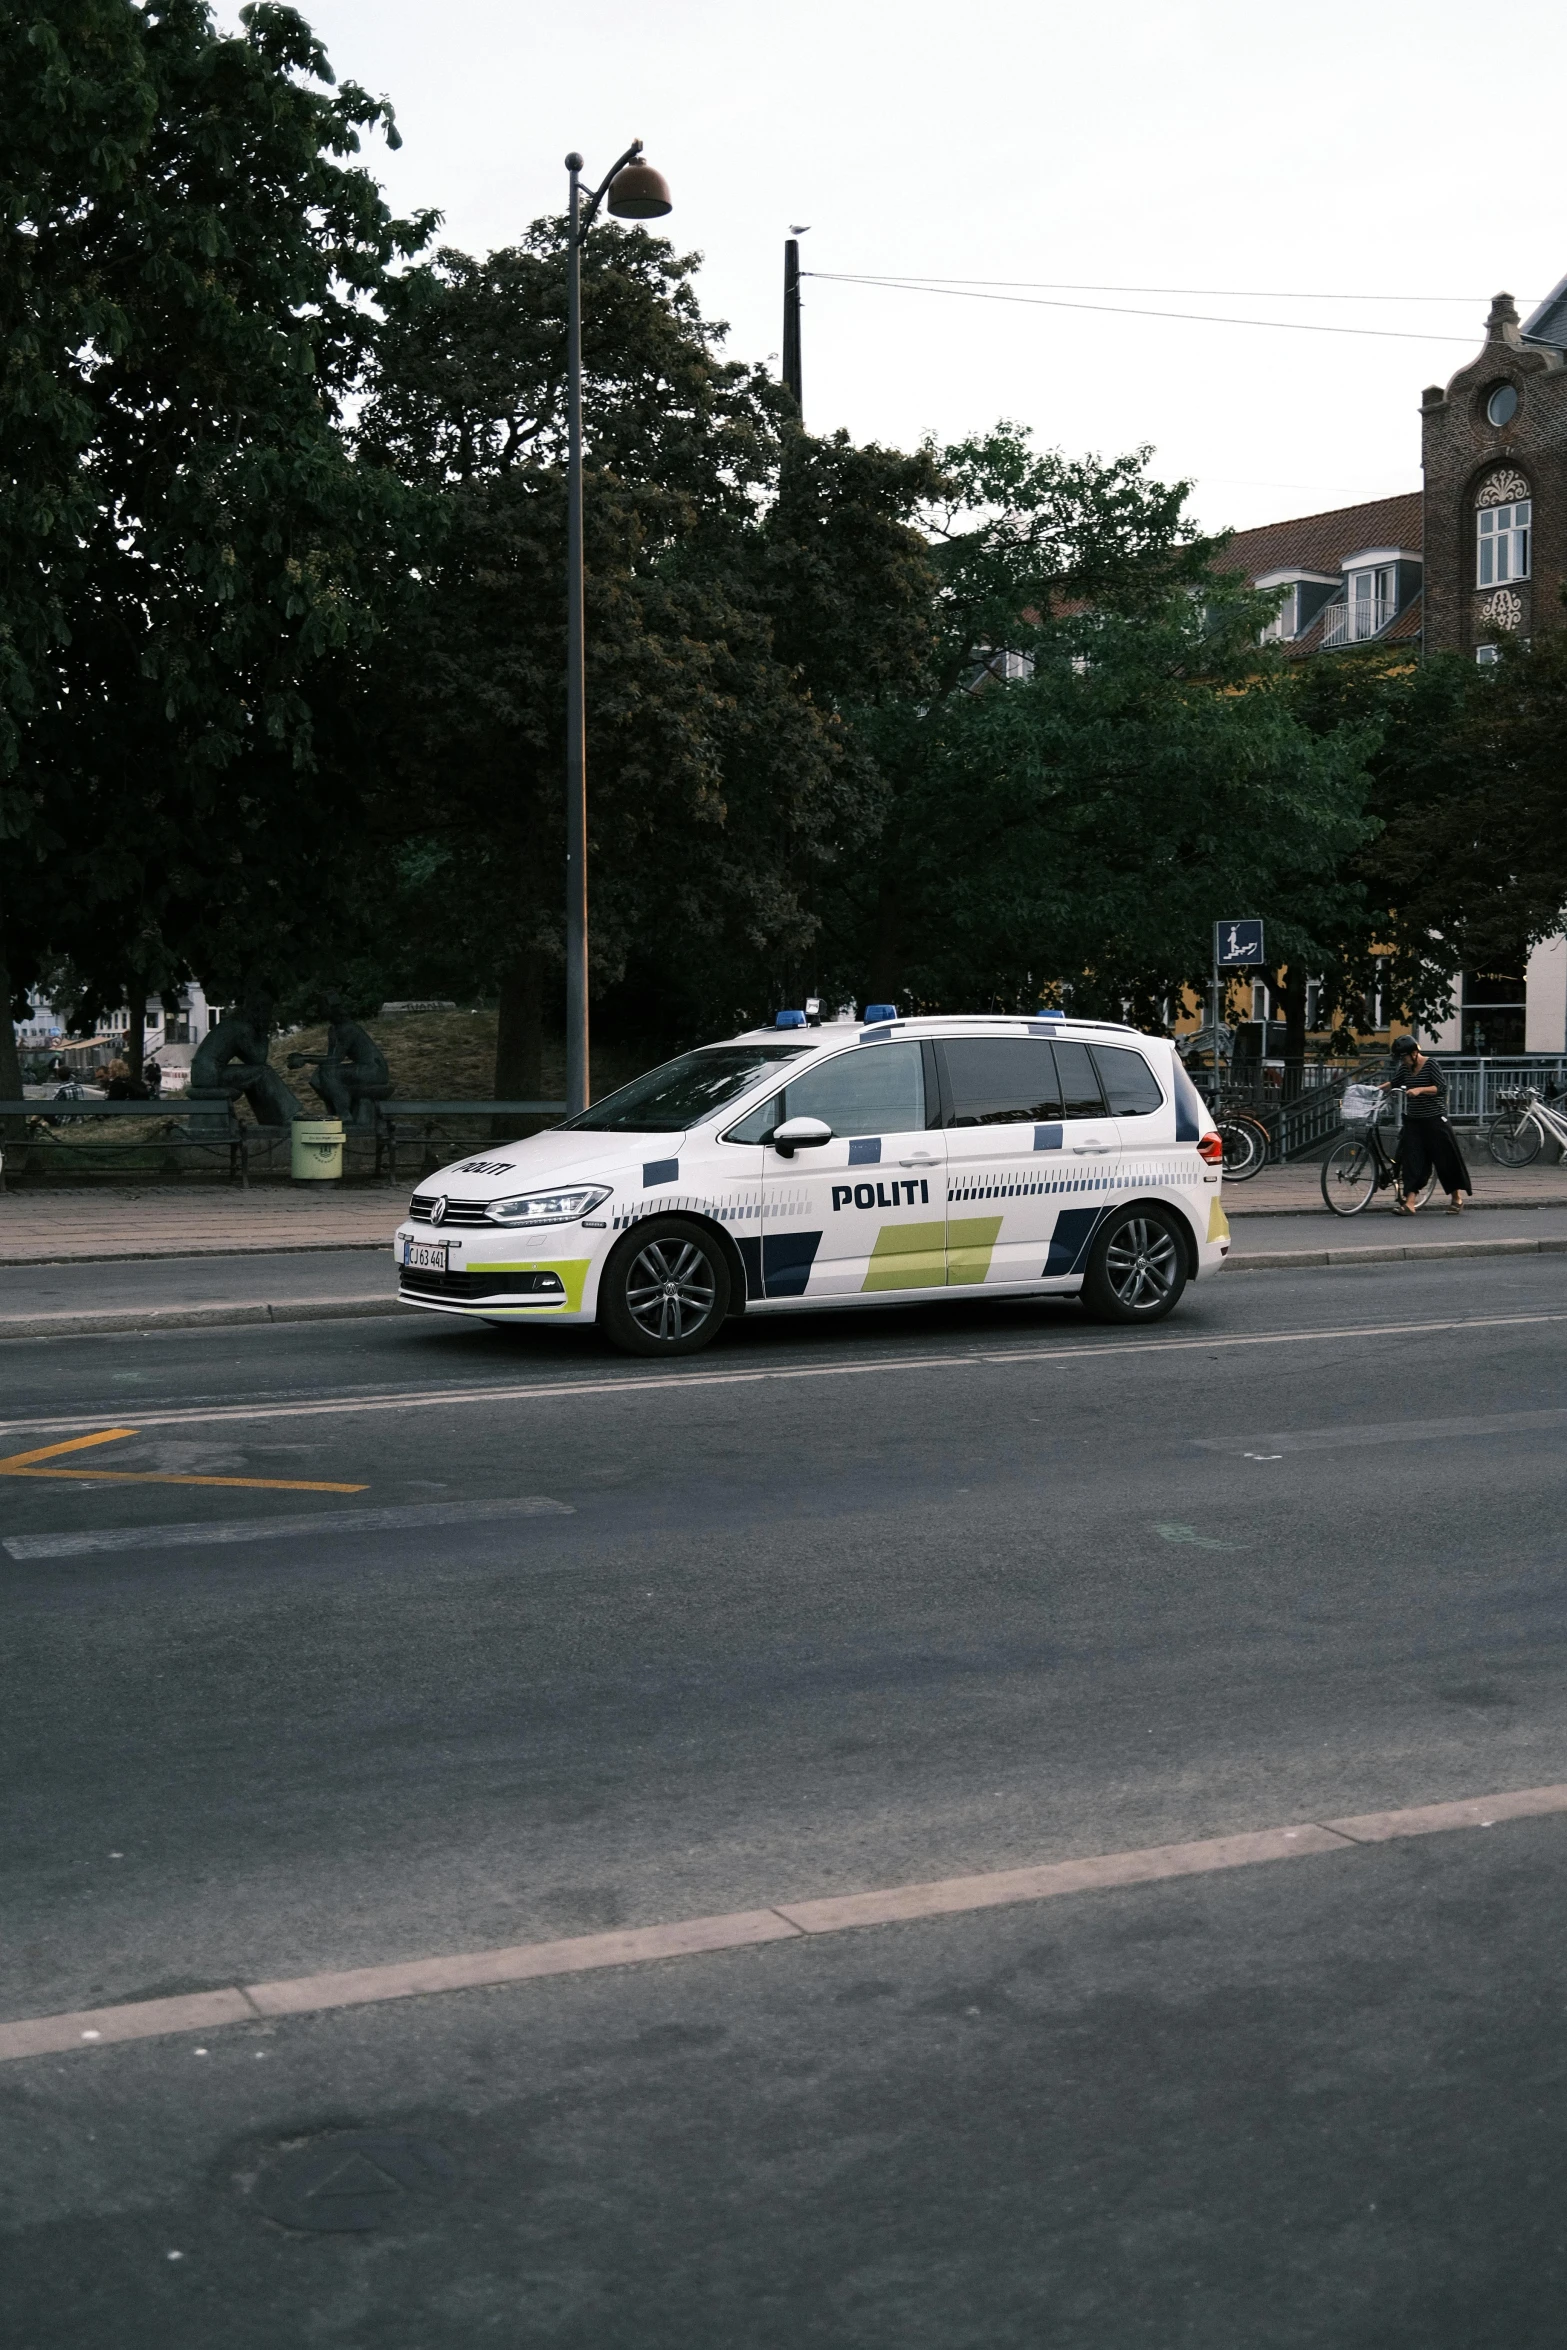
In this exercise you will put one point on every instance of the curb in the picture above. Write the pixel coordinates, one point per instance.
(222, 1314)
(216, 1248)
(1284, 1259)
(1311, 1205)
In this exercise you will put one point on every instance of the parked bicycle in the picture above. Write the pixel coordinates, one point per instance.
(1246, 1140)
(1525, 1121)
(1363, 1165)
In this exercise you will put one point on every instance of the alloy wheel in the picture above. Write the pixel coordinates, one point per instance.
(670, 1289)
(1141, 1263)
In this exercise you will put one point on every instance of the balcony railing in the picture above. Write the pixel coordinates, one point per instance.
(1357, 620)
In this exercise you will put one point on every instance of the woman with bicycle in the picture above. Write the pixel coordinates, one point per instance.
(1427, 1141)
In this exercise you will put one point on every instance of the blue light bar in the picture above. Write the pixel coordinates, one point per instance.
(881, 1011)
(790, 1020)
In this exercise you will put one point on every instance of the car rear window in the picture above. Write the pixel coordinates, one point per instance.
(682, 1093)
(1131, 1088)
(1001, 1080)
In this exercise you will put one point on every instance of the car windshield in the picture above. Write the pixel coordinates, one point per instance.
(682, 1093)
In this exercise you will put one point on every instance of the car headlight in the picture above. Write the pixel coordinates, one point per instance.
(548, 1207)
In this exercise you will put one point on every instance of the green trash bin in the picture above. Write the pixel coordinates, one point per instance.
(316, 1150)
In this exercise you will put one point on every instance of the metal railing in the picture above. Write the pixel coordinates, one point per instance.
(206, 1123)
(1356, 620)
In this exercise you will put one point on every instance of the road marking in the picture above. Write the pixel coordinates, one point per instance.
(20, 1465)
(186, 1537)
(785, 1921)
(660, 1383)
(1182, 1534)
(1391, 1432)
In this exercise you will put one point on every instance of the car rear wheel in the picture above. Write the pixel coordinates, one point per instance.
(666, 1289)
(1136, 1268)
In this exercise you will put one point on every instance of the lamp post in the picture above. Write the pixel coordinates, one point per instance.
(635, 192)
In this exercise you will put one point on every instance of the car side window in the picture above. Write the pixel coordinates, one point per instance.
(877, 1089)
(1080, 1094)
(1001, 1080)
(1131, 1088)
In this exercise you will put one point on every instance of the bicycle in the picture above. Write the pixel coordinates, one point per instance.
(1518, 1134)
(1362, 1165)
(1247, 1143)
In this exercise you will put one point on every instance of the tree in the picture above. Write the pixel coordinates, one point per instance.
(737, 573)
(1466, 864)
(194, 564)
(1097, 759)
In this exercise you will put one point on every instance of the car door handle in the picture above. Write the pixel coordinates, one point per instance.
(1092, 1146)
(921, 1159)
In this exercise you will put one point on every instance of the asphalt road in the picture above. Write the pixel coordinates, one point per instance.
(843, 1603)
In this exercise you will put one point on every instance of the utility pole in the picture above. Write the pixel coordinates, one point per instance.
(791, 324)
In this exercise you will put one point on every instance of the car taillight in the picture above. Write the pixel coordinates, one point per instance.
(1211, 1148)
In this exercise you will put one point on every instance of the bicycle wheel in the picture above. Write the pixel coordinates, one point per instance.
(1349, 1178)
(1243, 1148)
(1513, 1142)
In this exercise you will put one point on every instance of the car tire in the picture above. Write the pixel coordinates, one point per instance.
(1136, 1268)
(666, 1289)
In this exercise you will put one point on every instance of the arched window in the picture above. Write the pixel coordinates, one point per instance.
(1503, 527)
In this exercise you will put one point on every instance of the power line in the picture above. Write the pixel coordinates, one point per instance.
(1298, 326)
(1047, 285)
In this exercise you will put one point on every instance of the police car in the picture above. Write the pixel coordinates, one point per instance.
(846, 1164)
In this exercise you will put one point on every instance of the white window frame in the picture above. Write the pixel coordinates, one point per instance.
(1502, 543)
(1285, 623)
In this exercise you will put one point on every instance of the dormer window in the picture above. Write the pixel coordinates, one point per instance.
(1371, 601)
(1502, 543)
(1285, 622)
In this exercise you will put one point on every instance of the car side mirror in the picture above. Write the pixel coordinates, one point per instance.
(800, 1134)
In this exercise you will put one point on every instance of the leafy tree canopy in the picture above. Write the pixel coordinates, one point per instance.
(191, 261)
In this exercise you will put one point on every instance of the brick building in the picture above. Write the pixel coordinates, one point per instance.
(1480, 554)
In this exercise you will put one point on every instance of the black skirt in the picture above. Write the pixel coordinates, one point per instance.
(1430, 1142)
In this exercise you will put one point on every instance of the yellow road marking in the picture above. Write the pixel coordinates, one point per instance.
(47, 1452)
(22, 1464)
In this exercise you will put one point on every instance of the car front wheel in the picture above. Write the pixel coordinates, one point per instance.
(1137, 1267)
(666, 1289)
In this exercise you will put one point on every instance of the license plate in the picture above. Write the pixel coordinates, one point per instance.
(425, 1256)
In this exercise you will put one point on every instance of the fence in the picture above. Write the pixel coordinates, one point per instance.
(211, 1129)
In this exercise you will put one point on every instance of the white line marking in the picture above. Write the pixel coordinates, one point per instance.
(786, 1921)
(189, 1536)
(661, 1383)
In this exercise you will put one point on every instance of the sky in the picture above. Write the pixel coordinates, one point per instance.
(1398, 157)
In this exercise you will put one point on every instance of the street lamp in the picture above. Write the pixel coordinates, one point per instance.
(635, 192)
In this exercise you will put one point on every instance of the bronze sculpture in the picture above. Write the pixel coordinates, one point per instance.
(231, 1060)
(352, 1075)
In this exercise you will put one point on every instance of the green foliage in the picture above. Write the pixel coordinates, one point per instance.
(193, 565)
(1466, 866)
(737, 576)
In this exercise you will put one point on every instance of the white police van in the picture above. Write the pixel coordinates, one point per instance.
(839, 1165)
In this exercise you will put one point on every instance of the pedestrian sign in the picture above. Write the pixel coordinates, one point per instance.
(1236, 944)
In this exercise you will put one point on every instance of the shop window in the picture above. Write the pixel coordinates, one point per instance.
(1493, 1013)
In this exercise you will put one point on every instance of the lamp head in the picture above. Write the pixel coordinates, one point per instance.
(638, 192)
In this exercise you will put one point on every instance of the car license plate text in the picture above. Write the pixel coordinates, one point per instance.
(425, 1256)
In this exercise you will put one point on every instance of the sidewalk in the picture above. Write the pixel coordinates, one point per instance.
(1294, 1191)
(66, 1227)
(61, 1227)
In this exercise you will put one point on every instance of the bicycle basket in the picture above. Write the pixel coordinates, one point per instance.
(1362, 1105)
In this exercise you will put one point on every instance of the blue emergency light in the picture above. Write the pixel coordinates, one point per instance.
(790, 1020)
(881, 1011)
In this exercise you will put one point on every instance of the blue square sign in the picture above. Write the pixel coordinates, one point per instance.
(1237, 943)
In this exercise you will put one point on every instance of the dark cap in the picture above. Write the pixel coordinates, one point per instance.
(1405, 1048)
